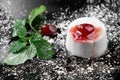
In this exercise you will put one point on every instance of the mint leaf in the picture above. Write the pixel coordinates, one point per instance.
(38, 21)
(43, 48)
(19, 29)
(35, 12)
(21, 57)
(18, 45)
(35, 37)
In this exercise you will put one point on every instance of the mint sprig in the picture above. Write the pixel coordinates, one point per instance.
(26, 47)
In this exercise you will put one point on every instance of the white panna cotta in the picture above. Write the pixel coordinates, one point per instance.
(86, 37)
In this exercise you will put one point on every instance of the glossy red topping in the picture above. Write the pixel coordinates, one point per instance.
(48, 30)
(83, 32)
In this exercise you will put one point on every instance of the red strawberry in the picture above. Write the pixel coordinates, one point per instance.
(48, 30)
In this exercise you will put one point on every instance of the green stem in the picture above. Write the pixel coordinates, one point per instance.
(33, 28)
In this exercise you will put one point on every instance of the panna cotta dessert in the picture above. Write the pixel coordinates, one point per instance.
(86, 37)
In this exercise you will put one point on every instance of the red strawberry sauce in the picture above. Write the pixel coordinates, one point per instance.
(85, 32)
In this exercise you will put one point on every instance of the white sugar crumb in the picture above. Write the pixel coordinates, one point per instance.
(90, 69)
(51, 41)
(60, 72)
(9, 3)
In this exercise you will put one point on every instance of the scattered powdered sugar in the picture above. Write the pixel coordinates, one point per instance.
(102, 67)
(63, 66)
(6, 23)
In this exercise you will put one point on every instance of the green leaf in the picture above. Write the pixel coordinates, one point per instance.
(35, 37)
(43, 48)
(18, 45)
(21, 57)
(35, 12)
(19, 29)
(38, 21)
